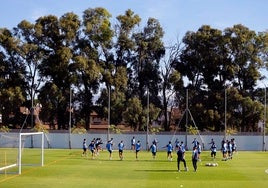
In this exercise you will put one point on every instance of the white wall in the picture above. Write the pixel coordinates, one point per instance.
(61, 140)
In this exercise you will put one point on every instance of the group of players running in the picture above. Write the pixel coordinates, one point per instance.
(228, 147)
(96, 145)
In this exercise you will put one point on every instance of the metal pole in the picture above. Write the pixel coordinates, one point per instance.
(148, 116)
(32, 107)
(70, 118)
(109, 112)
(186, 117)
(225, 110)
(32, 113)
(264, 119)
(19, 159)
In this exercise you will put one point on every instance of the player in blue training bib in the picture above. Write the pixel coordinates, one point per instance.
(120, 149)
(153, 149)
(138, 148)
(109, 147)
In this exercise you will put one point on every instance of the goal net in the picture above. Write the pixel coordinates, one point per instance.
(19, 150)
(8, 153)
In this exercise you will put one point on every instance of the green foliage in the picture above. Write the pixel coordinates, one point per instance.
(4, 129)
(39, 127)
(115, 129)
(192, 130)
(155, 130)
(133, 113)
(153, 111)
(48, 57)
(78, 130)
(206, 62)
(230, 131)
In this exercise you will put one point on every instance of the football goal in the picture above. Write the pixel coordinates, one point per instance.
(21, 149)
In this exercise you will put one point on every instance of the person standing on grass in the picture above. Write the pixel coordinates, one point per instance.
(224, 150)
(109, 148)
(84, 147)
(169, 151)
(195, 158)
(133, 143)
(120, 149)
(98, 144)
(229, 150)
(213, 149)
(92, 148)
(199, 150)
(138, 148)
(233, 145)
(153, 150)
(181, 158)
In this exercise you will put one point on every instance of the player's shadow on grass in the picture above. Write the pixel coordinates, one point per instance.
(134, 160)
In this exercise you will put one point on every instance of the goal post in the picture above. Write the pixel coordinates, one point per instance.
(20, 147)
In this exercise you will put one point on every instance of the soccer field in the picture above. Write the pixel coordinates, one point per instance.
(68, 169)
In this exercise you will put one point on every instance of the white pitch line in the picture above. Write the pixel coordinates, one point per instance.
(13, 165)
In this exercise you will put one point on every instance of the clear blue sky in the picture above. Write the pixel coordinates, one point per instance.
(175, 16)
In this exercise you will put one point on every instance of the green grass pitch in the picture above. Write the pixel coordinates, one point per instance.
(64, 168)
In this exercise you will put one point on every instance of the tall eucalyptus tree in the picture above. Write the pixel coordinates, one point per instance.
(12, 83)
(244, 47)
(31, 56)
(213, 61)
(57, 38)
(94, 56)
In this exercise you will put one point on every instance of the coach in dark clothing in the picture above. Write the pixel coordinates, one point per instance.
(180, 158)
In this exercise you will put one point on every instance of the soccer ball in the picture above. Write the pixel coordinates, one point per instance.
(212, 164)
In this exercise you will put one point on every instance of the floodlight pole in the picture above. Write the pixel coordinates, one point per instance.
(225, 116)
(264, 119)
(109, 112)
(32, 107)
(186, 117)
(148, 116)
(32, 113)
(70, 118)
